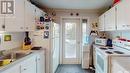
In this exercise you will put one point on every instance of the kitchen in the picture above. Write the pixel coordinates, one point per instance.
(38, 36)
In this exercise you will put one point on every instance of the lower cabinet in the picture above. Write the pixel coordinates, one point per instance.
(29, 65)
(13, 69)
(40, 63)
(34, 64)
(117, 68)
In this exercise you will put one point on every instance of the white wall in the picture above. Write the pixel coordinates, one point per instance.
(123, 34)
(16, 40)
(91, 14)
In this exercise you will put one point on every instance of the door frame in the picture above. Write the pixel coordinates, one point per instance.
(61, 35)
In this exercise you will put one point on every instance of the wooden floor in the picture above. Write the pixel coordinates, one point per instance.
(72, 69)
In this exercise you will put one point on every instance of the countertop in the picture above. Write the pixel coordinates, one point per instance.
(123, 62)
(34, 52)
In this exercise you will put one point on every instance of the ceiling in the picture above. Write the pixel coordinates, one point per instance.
(74, 4)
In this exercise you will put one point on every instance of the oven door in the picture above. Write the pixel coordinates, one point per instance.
(101, 62)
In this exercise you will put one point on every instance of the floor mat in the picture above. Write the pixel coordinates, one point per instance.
(72, 69)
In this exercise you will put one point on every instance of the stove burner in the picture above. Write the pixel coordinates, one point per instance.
(108, 52)
(103, 48)
(111, 48)
(118, 52)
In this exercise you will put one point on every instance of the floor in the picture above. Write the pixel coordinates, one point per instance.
(72, 69)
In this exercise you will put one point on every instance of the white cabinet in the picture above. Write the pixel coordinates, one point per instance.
(23, 18)
(85, 56)
(33, 64)
(29, 16)
(2, 25)
(13, 69)
(110, 19)
(29, 65)
(117, 18)
(116, 69)
(15, 22)
(123, 15)
(39, 12)
(101, 22)
(1, 19)
(94, 56)
(41, 62)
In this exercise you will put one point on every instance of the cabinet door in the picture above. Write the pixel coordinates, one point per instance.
(41, 63)
(110, 19)
(15, 22)
(1, 19)
(2, 25)
(101, 23)
(123, 15)
(13, 69)
(29, 65)
(116, 68)
(29, 16)
(38, 14)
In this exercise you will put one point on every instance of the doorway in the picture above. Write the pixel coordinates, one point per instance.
(71, 41)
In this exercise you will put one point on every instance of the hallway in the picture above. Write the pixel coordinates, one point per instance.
(72, 69)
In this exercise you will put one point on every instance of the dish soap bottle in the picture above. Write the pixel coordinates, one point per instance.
(27, 42)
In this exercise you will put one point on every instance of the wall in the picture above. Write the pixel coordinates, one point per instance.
(16, 40)
(91, 14)
(123, 34)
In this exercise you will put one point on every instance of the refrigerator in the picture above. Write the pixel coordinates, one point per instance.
(47, 38)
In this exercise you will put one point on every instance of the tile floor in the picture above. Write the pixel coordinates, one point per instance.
(72, 69)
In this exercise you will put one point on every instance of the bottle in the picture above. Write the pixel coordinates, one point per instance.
(27, 42)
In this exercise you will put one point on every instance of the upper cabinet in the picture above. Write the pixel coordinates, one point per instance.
(22, 19)
(29, 16)
(1, 19)
(101, 22)
(2, 26)
(110, 19)
(15, 22)
(117, 18)
(123, 15)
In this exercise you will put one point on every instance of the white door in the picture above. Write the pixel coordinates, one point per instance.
(110, 19)
(29, 16)
(29, 65)
(13, 69)
(15, 22)
(41, 63)
(101, 22)
(123, 15)
(2, 24)
(71, 41)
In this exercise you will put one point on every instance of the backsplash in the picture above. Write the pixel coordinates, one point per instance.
(123, 34)
(15, 42)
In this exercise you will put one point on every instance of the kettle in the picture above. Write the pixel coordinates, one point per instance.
(109, 43)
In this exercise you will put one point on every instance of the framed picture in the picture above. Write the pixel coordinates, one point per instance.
(7, 37)
(46, 34)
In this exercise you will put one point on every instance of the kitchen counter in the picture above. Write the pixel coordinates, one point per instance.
(34, 52)
(123, 62)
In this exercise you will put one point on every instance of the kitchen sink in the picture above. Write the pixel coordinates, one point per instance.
(11, 57)
(16, 55)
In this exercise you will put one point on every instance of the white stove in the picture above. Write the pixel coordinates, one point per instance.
(104, 55)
